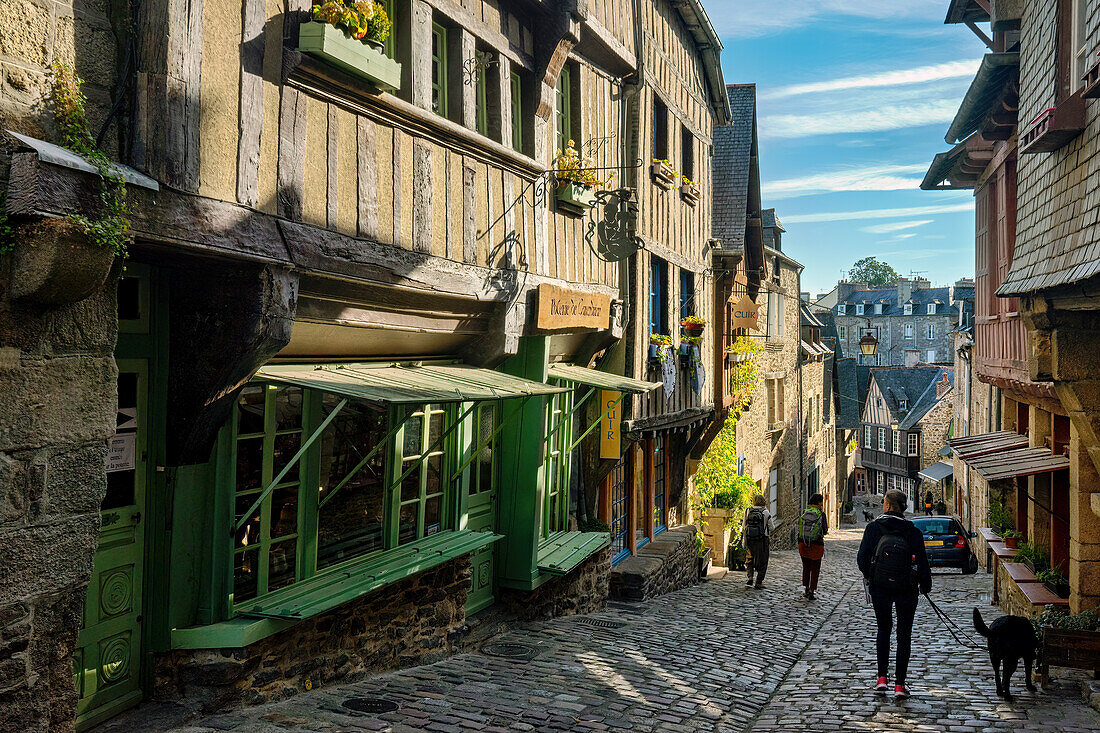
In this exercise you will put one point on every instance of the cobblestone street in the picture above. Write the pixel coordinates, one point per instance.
(716, 657)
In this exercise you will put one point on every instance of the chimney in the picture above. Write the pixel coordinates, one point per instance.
(905, 290)
(942, 386)
(912, 357)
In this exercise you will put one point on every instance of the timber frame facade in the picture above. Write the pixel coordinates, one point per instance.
(331, 403)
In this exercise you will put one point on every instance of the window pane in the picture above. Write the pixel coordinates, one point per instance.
(245, 575)
(250, 410)
(249, 533)
(433, 515)
(288, 408)
(284, 511)
(350, 523)
(286, 446)
(406, 531)
(250, 462)
(410, 487)
(282, 562)
(434, 466)
(412, 441)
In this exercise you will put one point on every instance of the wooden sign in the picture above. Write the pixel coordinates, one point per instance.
(609, 424)
(744, 314)
(560, 308)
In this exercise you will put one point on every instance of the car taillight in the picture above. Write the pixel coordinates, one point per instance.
(961, 542)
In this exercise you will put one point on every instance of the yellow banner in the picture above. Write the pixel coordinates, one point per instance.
(609, 425)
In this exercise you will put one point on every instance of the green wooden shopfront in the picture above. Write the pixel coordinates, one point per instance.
(329, 481)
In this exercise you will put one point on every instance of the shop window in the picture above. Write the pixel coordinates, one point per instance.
(422, 483)
(914, 444)
(659, 479)
(620, 509)
(687, 293)
(483, 478)
(880, 481)
(658, 295)
(555, 510)
(660, 129)
(687, 153)
(439, 69)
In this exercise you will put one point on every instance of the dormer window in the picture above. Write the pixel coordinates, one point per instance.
(841, 309)
(878, 309)
(903, 404)
(859, 309)
(931, 309)
(908, 309)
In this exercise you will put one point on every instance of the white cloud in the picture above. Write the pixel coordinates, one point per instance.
(873, 178)
(896, 227)
(878, 213)
(918, 75)
(751, 18)
(859, 117)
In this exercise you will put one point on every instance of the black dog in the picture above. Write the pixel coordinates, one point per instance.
(1011, 638)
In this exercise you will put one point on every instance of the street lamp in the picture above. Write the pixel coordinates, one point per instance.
(868, 344)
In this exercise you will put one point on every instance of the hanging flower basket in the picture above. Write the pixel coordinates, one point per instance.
(575, 197)
(693, 326)
(365, 60)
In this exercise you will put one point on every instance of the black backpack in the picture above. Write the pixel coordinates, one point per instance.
(754, 524)
(892, 565)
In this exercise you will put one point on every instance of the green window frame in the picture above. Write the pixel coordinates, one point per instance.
(439, 69)
(390, 47)
(517, 111)
(481, 102)
(282, 542)
(484, 467)
(557, 465)
(564, 107)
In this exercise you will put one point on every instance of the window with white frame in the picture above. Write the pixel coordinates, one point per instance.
(868, 437)
(914, 444)
(842, 331)
(908, 330)
(878, 309)
(882, 439)
(907, 309)
(841, 309)
(930, 357)
(930, 331)
(859, 309)
(1080, 42)
(931, 309)
(896, 434)
(775, 402)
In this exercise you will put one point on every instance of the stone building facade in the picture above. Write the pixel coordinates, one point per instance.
(331, 370)
(912, 321)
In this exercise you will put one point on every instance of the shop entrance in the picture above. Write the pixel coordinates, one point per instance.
(482, 504)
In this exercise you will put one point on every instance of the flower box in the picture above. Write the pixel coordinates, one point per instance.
(1054, 126)
(689, 194)
(664, 176)
(1059, 589)
(575, 197)
(355, 57)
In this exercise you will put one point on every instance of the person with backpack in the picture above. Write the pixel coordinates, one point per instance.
(895, 566)
(812, 528)
(756, 528)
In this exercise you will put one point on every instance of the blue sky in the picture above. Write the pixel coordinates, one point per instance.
(853, 100)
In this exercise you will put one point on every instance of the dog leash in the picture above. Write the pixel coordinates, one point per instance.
(951, 626)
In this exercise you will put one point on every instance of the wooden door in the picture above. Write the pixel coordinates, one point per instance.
(107, 661)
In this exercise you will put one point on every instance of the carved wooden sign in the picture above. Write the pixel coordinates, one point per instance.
(744, 314)
(609, 424)
(560, 308)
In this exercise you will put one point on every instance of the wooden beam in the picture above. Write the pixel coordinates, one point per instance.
(980, 34)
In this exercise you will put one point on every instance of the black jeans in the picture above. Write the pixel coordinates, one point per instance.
(758, 558)
(884, 602)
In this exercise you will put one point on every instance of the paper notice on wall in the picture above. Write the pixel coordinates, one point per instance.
(122, 452)
(668, 372)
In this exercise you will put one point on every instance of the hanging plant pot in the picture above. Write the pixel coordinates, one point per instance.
(576, 198)
(55, 263)
(694, 329)
(1011, 542)
(365, 60)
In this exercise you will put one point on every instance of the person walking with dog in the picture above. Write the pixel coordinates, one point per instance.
(812, 528)
(756, 528)
(895, 567)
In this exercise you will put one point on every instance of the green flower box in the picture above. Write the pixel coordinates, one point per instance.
(575, 197)
(367, 62)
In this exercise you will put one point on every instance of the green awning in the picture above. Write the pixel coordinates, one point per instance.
(406, 383)
(331, 588)
(563, 551)
(603, 380)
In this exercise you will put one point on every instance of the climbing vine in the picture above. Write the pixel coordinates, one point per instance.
(111, 230)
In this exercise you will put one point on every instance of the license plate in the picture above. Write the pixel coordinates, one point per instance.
(933, 543)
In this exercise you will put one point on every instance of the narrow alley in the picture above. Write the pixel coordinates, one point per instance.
(715, 657)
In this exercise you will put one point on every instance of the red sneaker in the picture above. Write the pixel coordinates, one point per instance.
(901, 692)
(882, 686)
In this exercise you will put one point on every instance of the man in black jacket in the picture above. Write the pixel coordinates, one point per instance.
(885, 596)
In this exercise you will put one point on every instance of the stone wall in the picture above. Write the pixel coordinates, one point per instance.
(58, 376)
(415, 621)
(583, 590)
(666, 564)
(934, 427)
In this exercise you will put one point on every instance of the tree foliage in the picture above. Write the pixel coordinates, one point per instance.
(872, 271)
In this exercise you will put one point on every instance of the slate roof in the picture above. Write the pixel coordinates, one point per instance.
(808, 318)
(920, 300)
(768, 218)
(733, 167)
(996, 71)
(1049, 260)
(848, 391)
(916, 385)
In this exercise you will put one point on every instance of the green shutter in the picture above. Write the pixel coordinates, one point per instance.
(517, 112)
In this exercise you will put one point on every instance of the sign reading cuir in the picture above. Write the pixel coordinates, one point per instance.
(560, 308)
(744, 314)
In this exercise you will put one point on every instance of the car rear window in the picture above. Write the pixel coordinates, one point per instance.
(934, 526)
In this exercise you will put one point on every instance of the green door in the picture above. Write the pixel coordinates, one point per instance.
(481, 503)
(108, 656)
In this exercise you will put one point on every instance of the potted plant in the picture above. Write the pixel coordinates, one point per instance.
(999, 518)
(664, 175)
(686, 345)
(658, 346)
(577, 180)
(693, 325)
(689, 191)
(1011, 538)
(1067, 640)
(352, 36)
(1053, 579)
(1033, 556)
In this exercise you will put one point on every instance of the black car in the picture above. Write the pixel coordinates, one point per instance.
(946, 543)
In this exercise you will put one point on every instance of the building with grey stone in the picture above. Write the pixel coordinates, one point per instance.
(911, 320)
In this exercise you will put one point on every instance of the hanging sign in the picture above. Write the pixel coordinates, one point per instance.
(609, 424)
(561, 308)
(744, 314)
(668, 372)
(121, 452)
